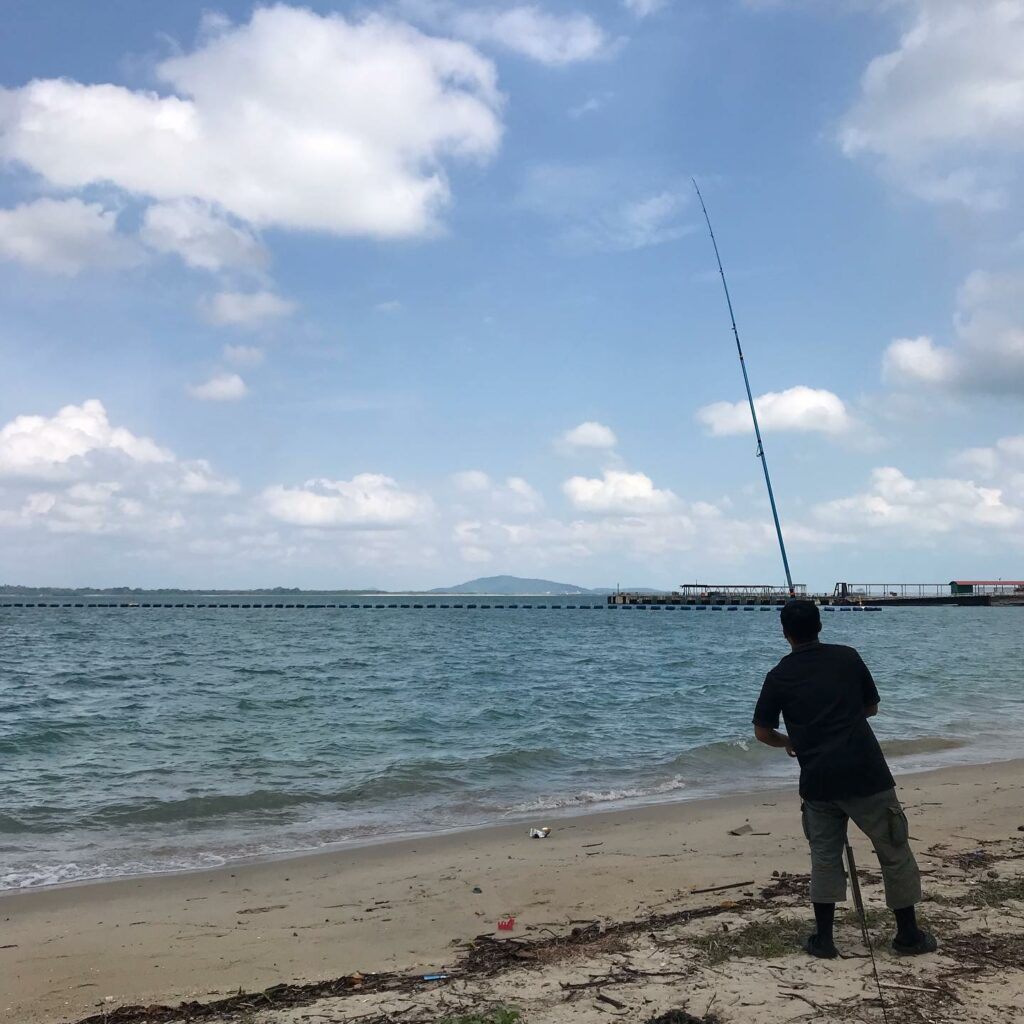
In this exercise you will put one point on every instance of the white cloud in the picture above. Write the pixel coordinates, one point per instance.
(524, 29)
(643, 8)
(291, 120)
(588, 435)
(243, 355)
(531, 31)
(56, 447)
(520, 496)
(75, 472)
(1004, 459)
(589, 106)
(920, 508)
(515, 495)
(204, 239)
(245, 309)
(798, 408)
(987, 355)
(65, 236)
(471, 481)
(917, 360)
(586, 204)
(618, 492)
(368, 501)
(222, 387)
(942, 112)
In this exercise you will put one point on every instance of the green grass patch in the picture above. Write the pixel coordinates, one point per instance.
(498, 1015)
(761, 940)
(993, 892)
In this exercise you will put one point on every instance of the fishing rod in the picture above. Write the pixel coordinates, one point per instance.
(858, 902)
(854, 878)
(750, 396)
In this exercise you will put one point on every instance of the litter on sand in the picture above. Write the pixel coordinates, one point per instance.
(539, 833)
(506, 924)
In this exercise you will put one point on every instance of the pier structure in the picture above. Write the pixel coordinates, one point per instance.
(962, 593)
(747, 594)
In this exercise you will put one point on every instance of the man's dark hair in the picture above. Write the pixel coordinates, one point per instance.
(801, 621)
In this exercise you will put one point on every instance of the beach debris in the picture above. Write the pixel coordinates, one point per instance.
(540, 833)
(506, 924)
(742, 830)
(602, 998)
(680, 1017)
(721, 888)
(436, 977)
(477, 890)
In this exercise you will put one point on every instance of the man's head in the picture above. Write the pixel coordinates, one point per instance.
(801, 622)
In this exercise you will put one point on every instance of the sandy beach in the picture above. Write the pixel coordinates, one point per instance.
(605, 895)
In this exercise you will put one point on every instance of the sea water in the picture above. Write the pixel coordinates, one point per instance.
(139, 740)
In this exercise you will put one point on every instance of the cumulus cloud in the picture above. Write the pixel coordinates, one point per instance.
(618, 492)
(245, 309)
(942, 113)
(1004, 459)
(920, 508)
(588, 435)
(222, 387)
(291, 120)
(368, 501)
(479, 491)
(65, 236)
(586, 204)
(987, 354)
(75, 472)
(202, 238)
(56, 447)
(917, 360)
(798, 408)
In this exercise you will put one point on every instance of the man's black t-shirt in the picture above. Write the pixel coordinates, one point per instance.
(821, 690)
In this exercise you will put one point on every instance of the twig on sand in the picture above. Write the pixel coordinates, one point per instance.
(720, 888)
(908, 988)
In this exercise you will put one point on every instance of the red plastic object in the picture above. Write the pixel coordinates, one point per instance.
(506, 924)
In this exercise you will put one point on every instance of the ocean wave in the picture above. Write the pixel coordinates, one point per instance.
(921, 745)
(588, 798)
(709, 757)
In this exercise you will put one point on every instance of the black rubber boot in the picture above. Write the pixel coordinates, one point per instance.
(925, 942)
(822, 950)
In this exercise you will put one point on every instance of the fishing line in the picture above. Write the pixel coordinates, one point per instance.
(854, 879)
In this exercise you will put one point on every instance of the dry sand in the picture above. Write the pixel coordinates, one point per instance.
(607, 923)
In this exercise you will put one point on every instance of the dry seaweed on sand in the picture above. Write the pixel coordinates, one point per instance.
(681, 1017)
(761, 940)
(487, 957)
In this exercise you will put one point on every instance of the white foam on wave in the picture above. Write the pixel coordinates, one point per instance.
(590, 797)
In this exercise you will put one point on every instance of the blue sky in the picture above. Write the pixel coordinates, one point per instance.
(400, 294)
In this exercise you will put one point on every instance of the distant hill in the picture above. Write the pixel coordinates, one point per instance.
(512, 585)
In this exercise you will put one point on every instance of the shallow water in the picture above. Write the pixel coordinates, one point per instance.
(139, 740)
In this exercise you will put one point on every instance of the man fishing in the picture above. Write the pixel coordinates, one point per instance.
(826, 695)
